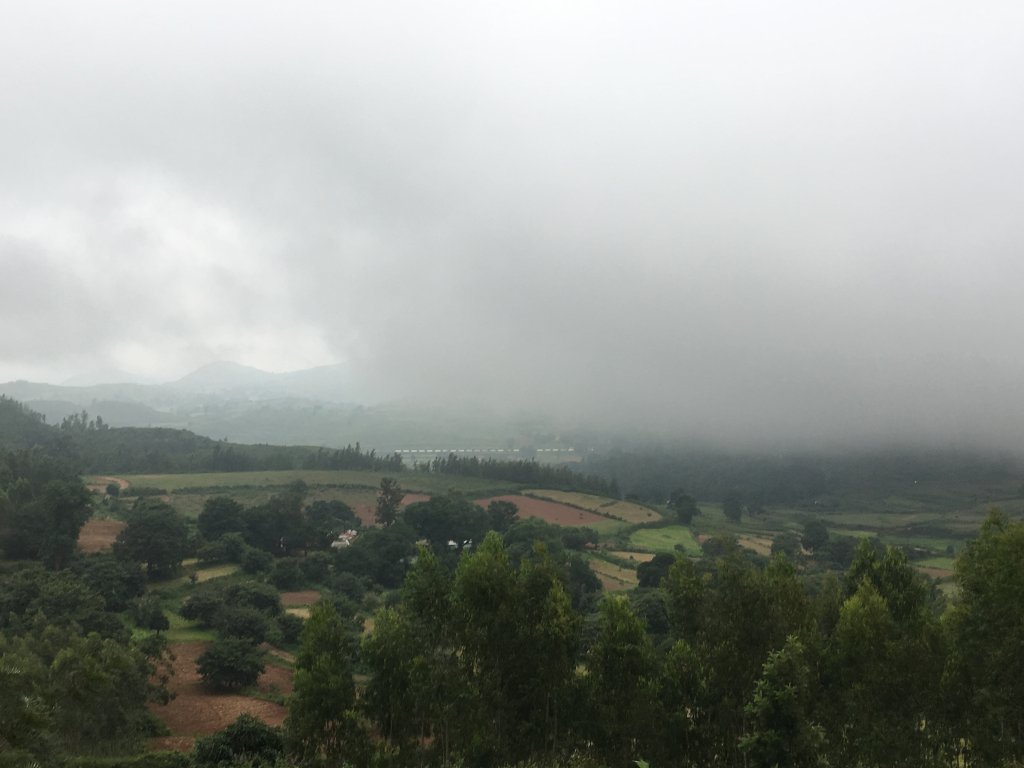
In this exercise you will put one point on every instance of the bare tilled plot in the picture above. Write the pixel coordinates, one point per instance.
(196, 711)
(99, 535)
(305, 597)
(298, 603)
(623, 510)
(548, 511)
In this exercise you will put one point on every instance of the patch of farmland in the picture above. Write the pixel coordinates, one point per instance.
(99, 483)
(183, 631)
(943, 563)
(636, 557)
(935, 573)
(304, 597)
(759, 544)
(202, 574)
(623, 510)
(614, 578)
(196, 711)
(226, 482)
(673, 538)
(99, 535)
(548, 511)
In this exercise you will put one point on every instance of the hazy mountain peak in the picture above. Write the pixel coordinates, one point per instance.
(330, 382)
(223, 373)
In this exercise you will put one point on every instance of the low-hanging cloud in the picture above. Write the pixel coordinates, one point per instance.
(761, 224)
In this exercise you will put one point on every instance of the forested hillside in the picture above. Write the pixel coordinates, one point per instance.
(445, 630)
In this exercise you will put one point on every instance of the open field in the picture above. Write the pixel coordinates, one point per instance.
(762, 545)
(614, 578)
(637, 557)
(623, 510)
(98, 535)
(195, 711)
(184, 631)
(550, 511)
(299, 603)
(421, 482)
(303, 597)
(665, 540)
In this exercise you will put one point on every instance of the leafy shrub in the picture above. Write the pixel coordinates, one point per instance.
(290, 627)
(230, 664)
(243, 622)
(247, 741)
(255, 560)
(286, 574)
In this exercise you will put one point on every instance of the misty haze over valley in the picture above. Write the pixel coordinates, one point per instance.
(747, 225)
(536, 384)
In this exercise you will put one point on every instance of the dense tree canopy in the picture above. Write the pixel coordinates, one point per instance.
(156, 537)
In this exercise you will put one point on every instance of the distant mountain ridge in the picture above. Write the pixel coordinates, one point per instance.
(316, 406)
(331, 384)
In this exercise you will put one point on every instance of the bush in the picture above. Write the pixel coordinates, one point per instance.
(243, 622)
(286, 574)
(147, 613)
(230, 664)
(290, 627)
(247, 741)
(262, 597)
(203, 606)
(229, 548)
(349, 585)
(316, 567)
(256, 560)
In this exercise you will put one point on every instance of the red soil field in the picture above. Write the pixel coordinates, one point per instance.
(305, 597)
(548, 511)
(99, 535)
(195, 711)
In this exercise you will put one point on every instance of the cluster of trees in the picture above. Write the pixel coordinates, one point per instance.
(724, 662)
(21, 427)
(95, 447)
(525, 472)
(43, 505)
(73, 676)
(161, 450)
(652, 472)
(351, 457)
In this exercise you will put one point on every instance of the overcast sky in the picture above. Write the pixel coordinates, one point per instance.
(747, 219)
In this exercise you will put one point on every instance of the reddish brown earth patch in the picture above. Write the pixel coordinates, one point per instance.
(367, 513)
(305, 597)
(548, 511)
(196, 711)
(99, 535)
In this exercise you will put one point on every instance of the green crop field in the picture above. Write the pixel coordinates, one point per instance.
(665, 540)
(411, 481)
